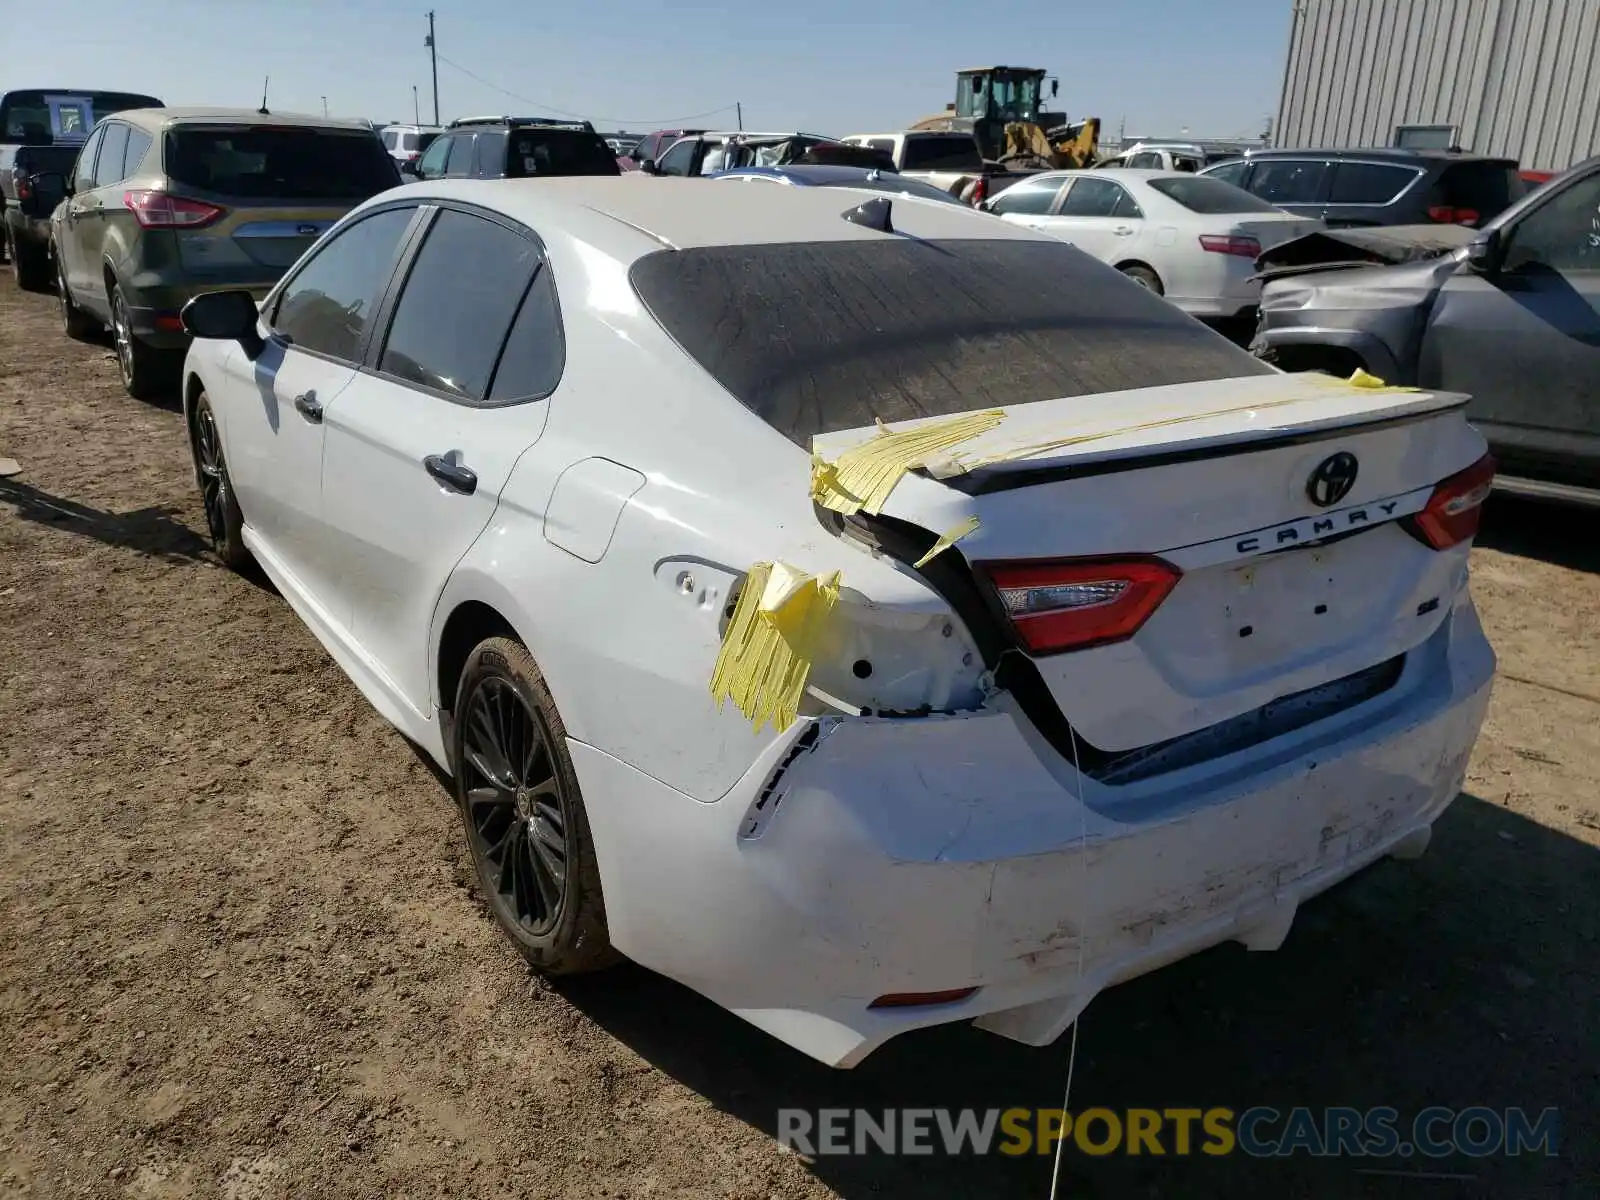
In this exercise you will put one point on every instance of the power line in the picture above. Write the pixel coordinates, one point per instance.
(561, 112)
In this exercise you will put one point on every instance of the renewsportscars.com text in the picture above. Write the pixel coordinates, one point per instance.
(1259, 1132)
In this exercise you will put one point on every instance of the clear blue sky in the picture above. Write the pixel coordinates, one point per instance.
(832, 66)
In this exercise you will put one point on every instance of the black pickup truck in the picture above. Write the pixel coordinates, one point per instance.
(41, 131)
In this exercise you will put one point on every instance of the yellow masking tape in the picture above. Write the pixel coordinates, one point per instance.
(1362, 379)
(766, 654)
(862, 477)
(947, 539)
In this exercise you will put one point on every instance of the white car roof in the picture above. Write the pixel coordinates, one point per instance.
(627, 216)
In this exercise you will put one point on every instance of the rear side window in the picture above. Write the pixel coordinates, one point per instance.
(1290, 180)
(328, 304)
(267, 162)
(952, 152)
(884, 144)
(1099, 198)
(1484, 188)
(1368, 183)
(536, 350)
(819, 337)
(544, 152)
(1148, 161)
(491, 153)
(1208, 194)
(458, 302)
(139, 143)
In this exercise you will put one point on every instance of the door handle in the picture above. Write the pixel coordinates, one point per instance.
(309, 407)
(452, 474)
(1123, 230)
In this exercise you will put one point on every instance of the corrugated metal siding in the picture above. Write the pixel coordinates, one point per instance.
(1517, 77)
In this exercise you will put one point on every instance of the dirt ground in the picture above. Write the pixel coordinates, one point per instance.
(240, 954)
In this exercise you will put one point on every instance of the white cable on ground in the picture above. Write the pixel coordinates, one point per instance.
(1083, 882)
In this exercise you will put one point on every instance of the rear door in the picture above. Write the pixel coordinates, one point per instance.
(1099, 216)
(274, 189)
(1525, 342)
(272, 412)
(420, 444)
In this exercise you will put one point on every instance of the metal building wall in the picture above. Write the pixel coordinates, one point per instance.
(1518, 77)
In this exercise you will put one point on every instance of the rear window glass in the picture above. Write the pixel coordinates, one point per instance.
(279, 163)
(25, 115)
(1203, 194)
(957, 152)
(1368, 183)
(1486, 188)
(559, 152)
(815, 338)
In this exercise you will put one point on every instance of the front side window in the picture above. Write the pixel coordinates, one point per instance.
(942, 152)
(462, 148)
(679, 160)
(431, 165)
(113, 150)
(1030, 198)
(327, 306)
(459, 299)
(1562, 234)
(1290, 180)
(83, 172)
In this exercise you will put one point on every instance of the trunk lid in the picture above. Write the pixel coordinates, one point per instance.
(1279, 593)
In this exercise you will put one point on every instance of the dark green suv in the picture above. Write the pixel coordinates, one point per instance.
(166, 203)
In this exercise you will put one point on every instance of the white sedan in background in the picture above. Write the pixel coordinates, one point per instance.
(1189, 238)
(1155, 643)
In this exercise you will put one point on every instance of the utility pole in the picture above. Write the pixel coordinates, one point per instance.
(416, 113)
(324, 106)
(738, 109)
(433, 55)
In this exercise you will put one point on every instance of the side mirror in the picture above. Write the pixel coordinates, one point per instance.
(1484, 252)
(411, 169)
(229, 316)
(45, 191)
(648, 166)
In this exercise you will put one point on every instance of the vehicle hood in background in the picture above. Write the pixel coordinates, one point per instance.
(1378, 246)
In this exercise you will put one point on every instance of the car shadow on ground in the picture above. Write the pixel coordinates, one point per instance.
(1465, 978)
(1565, 535)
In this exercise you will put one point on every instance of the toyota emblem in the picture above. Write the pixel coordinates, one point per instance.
(1332, 478)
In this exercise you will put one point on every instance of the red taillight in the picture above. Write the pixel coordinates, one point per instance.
(1244, 247)
(1444, 214)
(1453, 511)
(24, 189)
(1075, 603)
(980, 190)
(158, 210)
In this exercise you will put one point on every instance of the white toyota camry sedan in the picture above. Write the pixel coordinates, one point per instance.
(866, 612)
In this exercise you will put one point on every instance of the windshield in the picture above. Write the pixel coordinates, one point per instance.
(39, 116)
(545, 152)
(1203, 194)
(279, 162)
(818, 337)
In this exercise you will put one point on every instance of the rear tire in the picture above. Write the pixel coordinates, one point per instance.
(527, 830)
(30, 265)
(75, 323)
(147, 373)
(1144, 277)
(224, 520)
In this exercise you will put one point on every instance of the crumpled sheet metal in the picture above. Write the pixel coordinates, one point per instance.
(778, 624)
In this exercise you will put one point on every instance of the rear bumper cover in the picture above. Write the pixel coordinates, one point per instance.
(918, 855)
